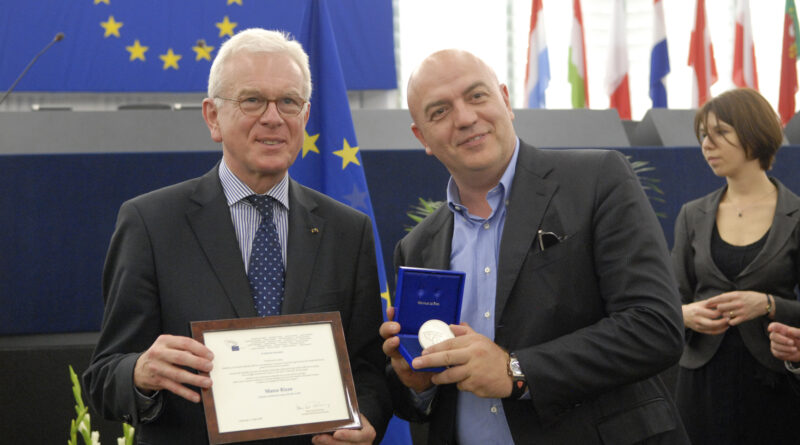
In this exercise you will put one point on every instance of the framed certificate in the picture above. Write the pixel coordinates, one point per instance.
(277, 376)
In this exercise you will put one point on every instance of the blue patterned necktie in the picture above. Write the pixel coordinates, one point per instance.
(266, 261)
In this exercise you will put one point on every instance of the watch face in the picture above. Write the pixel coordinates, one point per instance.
(515, 368)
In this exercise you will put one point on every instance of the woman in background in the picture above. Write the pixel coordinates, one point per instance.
(736, 259)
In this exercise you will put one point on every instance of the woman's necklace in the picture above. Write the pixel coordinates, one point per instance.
(740, 209)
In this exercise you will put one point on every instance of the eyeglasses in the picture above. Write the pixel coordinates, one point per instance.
(256, 105)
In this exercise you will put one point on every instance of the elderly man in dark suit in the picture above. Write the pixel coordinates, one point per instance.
(570, 305)
(183, 253)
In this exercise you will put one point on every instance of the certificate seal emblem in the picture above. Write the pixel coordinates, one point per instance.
(434, 331)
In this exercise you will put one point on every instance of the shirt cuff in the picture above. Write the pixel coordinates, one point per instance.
(422, 401)
(791, 368)
(148, 408)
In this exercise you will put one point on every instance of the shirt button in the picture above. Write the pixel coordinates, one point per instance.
(487, 314)
(487, 270)
(493, 410)
(486, 225)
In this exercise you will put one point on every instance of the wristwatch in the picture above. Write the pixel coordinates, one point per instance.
(520, 384)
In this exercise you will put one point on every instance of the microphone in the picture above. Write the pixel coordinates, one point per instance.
(57, 38)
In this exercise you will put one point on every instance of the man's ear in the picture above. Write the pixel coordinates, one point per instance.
(507, 100)
(211, 116)
(421, 138)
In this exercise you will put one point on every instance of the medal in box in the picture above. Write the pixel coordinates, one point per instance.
(422, 295)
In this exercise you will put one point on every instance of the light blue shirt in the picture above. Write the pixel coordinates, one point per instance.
(475, 250)
(246, 218)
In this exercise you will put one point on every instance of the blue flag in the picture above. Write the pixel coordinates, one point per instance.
(659, 58)
(330, 161)
(168, 45)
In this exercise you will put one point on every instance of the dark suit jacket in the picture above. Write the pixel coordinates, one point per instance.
(592, 319)
(174, 258)
(776, 270)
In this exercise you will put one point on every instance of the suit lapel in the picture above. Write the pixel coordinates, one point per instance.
(783, 223)
(305, 235)
(436, 253)
(211, 223)
(530, 196)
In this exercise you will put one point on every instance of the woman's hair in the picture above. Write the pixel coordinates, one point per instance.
(256, 40)
(756, 124)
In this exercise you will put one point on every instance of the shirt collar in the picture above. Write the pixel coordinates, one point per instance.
(236, 190)
(503, 187)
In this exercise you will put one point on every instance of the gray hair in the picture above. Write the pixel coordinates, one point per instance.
(257, 40)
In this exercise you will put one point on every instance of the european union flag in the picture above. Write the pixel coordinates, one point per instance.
(148, 45)
(330, 161)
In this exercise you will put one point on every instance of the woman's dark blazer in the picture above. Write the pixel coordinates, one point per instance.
(775, 270)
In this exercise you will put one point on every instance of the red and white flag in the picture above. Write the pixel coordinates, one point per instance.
(617, 69)
(744, 52)
(701, 57)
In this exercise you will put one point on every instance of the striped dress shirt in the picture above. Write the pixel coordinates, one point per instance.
(245, 216)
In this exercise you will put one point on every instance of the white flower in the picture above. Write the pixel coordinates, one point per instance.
(95, 438)
(120, 441)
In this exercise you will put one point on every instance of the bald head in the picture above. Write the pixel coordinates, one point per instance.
(462, 115)
(441, 67)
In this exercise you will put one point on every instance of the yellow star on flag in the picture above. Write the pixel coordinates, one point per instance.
(101, 1)
(348, 154)
(226, 27)
(238, 2)
(112, 27)
(137, 51)
(310, 144)
(170, 59)
(202, 51)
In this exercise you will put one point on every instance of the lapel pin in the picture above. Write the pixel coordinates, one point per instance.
(314, 230)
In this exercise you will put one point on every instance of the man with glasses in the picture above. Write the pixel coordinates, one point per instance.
(243, 240)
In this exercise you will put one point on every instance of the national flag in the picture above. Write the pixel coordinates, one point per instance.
(617, 69)
(537, 73)
(577, 60)
(701, 57)
(744, 51)
(330, 161)
(659, 57)
(791, 36)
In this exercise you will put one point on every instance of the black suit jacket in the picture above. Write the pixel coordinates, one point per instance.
(592, 318)
(775, 270)
(174, 258)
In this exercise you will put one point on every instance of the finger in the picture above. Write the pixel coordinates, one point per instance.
(389, 329)
(450, 357)
(713, 326)
(181, 391)
(784, 349)
(461, 329)
(390, 347)
(777, 326)
(177, 357)
(187, 344)
(390, 313)
(782, 340)
(454, 374)
(364, 435)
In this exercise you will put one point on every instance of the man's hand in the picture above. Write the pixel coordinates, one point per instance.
(784, 342)
(418, 381)
(475, 363)
(160, 367)
(739, 306)
(365, 435)
(705, 319)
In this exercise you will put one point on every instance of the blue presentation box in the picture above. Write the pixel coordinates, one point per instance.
(422, 295)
